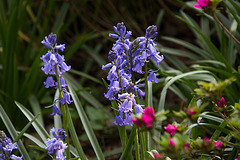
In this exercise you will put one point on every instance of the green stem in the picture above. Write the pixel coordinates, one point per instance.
(146, 134)
(142, 141)
(225, 29)
(137, 146)
(64, 113)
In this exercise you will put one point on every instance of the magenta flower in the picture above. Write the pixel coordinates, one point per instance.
(171, 129)
(148, 116)
(191, 111)
(201, 3)
(218, 144)
(221, 102)
(136, 121)
(147, 120)
(186, 146)
(206, 140)
(149, 111)
(171, 143)
(157, 155)
(238, 157)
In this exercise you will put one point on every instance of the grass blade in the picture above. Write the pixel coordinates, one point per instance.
(38, 127)
(25, 129)
(86, 124)
(74, 136)
(169, 83)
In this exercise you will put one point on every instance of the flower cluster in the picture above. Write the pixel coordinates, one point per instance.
(202, 3)
(146, 119)
(6, 148)
(171, 129)
(55, 145)
(55, 65)
(127, 58)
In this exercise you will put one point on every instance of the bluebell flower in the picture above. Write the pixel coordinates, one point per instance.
(104, 67)
(127, 57)
(55, 111)
(66, 98)
(151, 31)
(60, 134)
(126, 106)
(6, 147)
(49, 82)
(55, 145)
(152, 77)
(64, 67)
(14, 157)
(138, 109)
(55, 65)
(60, 47)
(140, 93)
(110, 94)
(120, 29)
(127, 120)
(63, 84)
(49, 40)
(119, 120)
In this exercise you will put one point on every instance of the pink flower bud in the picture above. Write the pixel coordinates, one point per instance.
(136, 121)
(202, 3)
(218, 144)
(148, 111)
(171, 142)
(157, 155)
(206, 140)
(191, 111)
(238, 157)
(186, 146)
(221, 102)
(147, 120)
(171, 129)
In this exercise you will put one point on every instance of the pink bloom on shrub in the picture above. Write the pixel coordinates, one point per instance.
(171, 129)
(206, 140)
(218, 144)
(136, 121)
(238, 157)
(201, 3)
(157, 155)
(171, 142)
(147, 120)
(221, 102)
(148, 116)
(186, 146)
(191, 111)
(148, 111)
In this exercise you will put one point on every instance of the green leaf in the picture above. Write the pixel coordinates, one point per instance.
(36, 108)
(74, 136)
(38, 127)
(127, 152)
(170, 82)
(84, 94)
(61, 16)
(86, 124)
(25, 129)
